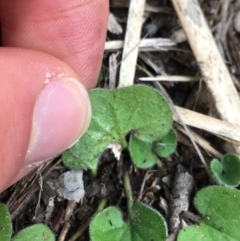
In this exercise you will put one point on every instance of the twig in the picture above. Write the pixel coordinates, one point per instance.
(113, 70)
(218, 127)
(153, 44)
(131, 42)
(202, 142)
(22, 197)
(171, 78)
(146, 177)
(40, 181)
(64, 231)
(70, 207)
(49, 210)
(209, 59)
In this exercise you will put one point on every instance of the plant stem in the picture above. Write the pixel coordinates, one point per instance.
(93, 173)
(85, 225)
(127, 186)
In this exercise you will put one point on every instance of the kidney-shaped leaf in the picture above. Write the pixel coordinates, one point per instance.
(108, 225)
(37, 232)
(142, 153)
(167, 145)
(145, 154)
(139, 110)
(226, 172)
(146, 224)
(219, 207)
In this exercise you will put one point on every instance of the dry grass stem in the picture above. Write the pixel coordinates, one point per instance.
(202, 143)
(151, 44)
(131, 42)
(209, 59)
(171, 78)
(113, 25)
(113, 64)
(221, 128)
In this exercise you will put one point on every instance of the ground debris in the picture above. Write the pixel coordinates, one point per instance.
(182, 189)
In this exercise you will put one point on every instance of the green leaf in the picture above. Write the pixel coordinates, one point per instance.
(108, 225)
(167, 145)
(142, 153)
(147, 224)
(145, 154)
(139, 110)
(5, 223)
(37, 232)
(219, 207)
(226, 172)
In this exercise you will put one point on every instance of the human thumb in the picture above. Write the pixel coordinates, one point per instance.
(44, 110)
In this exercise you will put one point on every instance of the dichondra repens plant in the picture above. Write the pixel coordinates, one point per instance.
(142, 114)
(139, 111)
(219, 207)
(226, 172)
(37, 232)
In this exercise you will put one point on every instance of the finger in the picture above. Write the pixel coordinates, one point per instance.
(73, 31)
(44, 109)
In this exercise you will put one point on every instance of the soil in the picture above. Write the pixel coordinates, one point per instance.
(35, 199)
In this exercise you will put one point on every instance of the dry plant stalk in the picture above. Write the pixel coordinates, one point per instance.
(131, 42)
(209, 59)
(212, 66)
(151, 44)
(172, 78)
(218, 127)
(205, 145)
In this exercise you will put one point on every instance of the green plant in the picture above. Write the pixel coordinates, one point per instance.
(226, 172)
(219, 207)
(145, 154)
(38, 232)
(146, 222)
(139, 111)
(143, 223)
(137, 119)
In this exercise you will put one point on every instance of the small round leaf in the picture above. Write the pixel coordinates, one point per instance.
(226, 172)
(167, 145)
(219, 207)
(146, 224)
(37, 232)
(142, 153)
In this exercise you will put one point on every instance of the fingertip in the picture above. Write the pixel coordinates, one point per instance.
(44, 109)
(61, 116)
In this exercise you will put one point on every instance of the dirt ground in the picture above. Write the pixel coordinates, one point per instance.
(170, 61)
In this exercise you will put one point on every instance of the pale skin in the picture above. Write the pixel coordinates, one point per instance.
(49, 47)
